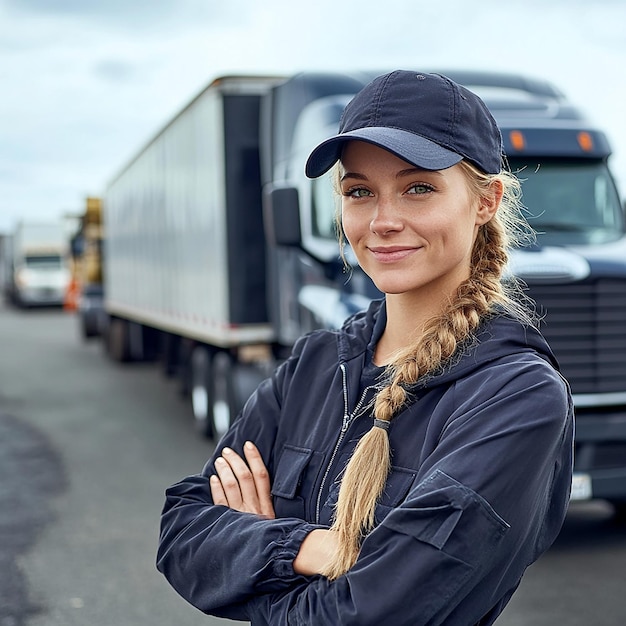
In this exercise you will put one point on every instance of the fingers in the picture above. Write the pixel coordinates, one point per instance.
(229, 484)
(261, 479)
(244, 485)
(244, 477)
(217, 492)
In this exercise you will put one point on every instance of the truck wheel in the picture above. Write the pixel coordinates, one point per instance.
(201, 389)
(169, 352)
(118, 341)
(89, 324)
(185, 349)
(223, 409)
(619, 515)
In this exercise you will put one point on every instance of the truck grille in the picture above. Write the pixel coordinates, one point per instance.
(585, 325)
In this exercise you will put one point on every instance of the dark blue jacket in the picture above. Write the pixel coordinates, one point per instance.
(482, 462)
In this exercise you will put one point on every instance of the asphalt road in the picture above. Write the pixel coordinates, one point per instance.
(87, 447)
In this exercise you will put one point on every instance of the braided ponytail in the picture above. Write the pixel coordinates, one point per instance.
(366, 474)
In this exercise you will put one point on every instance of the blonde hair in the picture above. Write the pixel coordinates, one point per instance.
(365, 476)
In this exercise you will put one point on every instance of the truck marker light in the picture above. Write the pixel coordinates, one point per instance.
(517, 140)
(585, 141)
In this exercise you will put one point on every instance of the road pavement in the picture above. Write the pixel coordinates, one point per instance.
(87, 448)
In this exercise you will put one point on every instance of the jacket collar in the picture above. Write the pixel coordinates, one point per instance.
(362, 331)
(497, 336)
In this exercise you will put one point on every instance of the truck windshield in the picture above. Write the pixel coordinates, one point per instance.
(570, 203)
(49, 261)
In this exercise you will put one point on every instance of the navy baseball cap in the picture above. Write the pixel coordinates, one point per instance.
(425, 119)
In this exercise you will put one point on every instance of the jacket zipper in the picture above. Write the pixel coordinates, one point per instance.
(348, 418)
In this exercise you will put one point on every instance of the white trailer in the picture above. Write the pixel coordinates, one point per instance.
(184, 252)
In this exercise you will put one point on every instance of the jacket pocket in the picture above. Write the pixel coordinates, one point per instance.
(450, 517)
(288, 501)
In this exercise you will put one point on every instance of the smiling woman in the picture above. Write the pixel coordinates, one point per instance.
(412, 230)
(427, 442)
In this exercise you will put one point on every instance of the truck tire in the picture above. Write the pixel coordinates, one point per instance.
(89, 326)
(213, 399)
(224, 406)
(118, 340)
(619, 512)
(201, 383)
(170, 354)
(185, 349)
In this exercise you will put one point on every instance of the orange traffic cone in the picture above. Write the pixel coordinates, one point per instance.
(70, 302)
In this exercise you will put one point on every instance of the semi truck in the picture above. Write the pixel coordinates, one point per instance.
(220, 253)
(38, 272)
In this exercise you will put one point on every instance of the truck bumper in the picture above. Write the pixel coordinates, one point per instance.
(33, 296)
(601, 453)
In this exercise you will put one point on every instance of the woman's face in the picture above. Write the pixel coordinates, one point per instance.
(412, 230)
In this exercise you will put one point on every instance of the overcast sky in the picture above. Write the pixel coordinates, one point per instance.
(85, 83)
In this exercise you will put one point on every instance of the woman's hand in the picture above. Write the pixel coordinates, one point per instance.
(316, 552)
(243, 485)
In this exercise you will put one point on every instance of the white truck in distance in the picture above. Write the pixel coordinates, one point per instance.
(38, 273)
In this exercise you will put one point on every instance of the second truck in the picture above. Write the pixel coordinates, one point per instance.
(37, 271)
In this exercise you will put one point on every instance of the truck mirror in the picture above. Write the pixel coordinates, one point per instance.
(281, 212)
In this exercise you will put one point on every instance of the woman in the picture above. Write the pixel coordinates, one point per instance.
(407, 468)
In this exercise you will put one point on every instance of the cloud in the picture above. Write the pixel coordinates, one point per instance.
(139, 15)
(114, 70)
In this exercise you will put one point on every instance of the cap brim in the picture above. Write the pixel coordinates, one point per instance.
(409, 147)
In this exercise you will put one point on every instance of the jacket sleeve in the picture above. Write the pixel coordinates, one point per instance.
(489, 499)
(215, 557)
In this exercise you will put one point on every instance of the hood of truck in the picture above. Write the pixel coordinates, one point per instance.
(563, 264)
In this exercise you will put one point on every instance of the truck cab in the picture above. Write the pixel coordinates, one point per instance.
(574, 270)
(38, 264)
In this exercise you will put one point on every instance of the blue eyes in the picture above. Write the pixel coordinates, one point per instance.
(362, 192)
(420, 189)
(358, 192)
